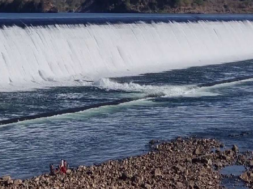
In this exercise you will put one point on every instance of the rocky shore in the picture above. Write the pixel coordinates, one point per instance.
(183, 163)
(127, 6)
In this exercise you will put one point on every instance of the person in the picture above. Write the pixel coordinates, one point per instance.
(66, 164)
(52, 171)
(63, 169)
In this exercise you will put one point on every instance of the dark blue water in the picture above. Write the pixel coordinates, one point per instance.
(181, 108)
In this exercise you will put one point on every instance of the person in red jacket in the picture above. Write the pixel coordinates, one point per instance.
(63, 168)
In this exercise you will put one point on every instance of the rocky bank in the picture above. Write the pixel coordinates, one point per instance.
(128, 6)
(183, 163)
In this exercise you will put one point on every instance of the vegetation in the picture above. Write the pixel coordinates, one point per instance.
(148, 6)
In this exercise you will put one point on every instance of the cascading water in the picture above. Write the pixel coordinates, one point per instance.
(36, 56)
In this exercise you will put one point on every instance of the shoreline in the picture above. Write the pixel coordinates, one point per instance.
(181, 163)
(127, 6)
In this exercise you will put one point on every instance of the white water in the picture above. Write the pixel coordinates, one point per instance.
(68, 55)
(163, 90)
(166, 90)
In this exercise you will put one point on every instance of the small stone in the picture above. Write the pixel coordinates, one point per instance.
(157, 172)
(251, 163)
(94, 185)
(245, 177)
(6, 178)
(180, 185)
(10, 182)
(17, 182)
(218, 151)
(196, 186)
(188, 159)
(68, 171)
(124, 176)
(229, 152)
(37, 179)
(147, 186)
(80, 168)
(218, 165)
(250, 176)
(137, 179)
(197, 151)
(152, 142)
(179, 168)
(209, 162)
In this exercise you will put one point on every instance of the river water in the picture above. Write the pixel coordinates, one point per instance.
(202, 100)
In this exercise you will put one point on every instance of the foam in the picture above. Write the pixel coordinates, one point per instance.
(162, 91)
(66, 55)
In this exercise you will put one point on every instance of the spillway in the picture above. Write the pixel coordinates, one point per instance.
(62, 54)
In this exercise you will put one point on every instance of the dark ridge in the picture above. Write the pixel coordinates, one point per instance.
(225, 81)
(24, 20)
(72, 110)
(66, 111)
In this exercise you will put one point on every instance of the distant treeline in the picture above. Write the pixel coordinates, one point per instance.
(123, 6)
